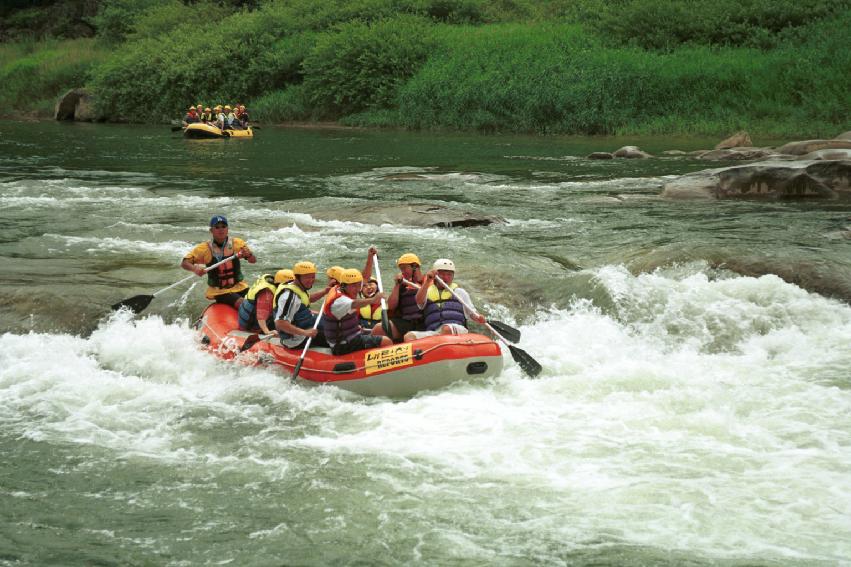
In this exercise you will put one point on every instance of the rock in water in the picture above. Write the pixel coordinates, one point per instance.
(768, 179)
(631, 152)
(425, 215)
(807, 146)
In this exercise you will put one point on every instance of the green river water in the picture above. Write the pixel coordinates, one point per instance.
(693, 409)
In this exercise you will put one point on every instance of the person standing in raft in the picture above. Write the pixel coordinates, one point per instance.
(257, 311)
(341, 321)
(293, 318)
(402, 304)
(225, 283)
(443, 314)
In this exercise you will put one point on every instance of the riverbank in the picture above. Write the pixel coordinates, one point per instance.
(777, 72)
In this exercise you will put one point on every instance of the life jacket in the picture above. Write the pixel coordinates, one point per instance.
(191, 118)
(207, 117)
(370, 315)
(303, 318)
(230, 118)
(338, 330)
(248, 307)
(407, 305)
(228, 274)
(442, 307)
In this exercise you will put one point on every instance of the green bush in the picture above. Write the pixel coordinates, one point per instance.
(282, 106)
(666, 24)
(361, 66)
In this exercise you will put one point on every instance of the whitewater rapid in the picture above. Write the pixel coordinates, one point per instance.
(708, 414)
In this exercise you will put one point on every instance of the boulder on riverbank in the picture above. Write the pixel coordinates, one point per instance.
(76, 104)
(738, 140)
(768, 179)
(424, 215)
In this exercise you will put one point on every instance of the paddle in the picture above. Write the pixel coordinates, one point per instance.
(177, 128)
(138, 303)
(528, 364)
(385, 320)
(309, 339)
(253, 340)
(507, 331)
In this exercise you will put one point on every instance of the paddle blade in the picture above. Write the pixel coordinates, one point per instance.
(249, 342)
(297, 368)
(136, 304)
(527, 364)
(508, 332)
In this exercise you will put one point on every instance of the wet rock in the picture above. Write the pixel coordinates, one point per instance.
(600, 155)
(768, 179)
(807, 146)
(737, 140)
(76, 104)
(631, 152)
(844, 136)
(425, 215)
(827, 155)
(674, 153)
(698, 153)
(743, 153)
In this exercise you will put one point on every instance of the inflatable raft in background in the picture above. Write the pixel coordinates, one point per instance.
(201, 130)
(398, 371)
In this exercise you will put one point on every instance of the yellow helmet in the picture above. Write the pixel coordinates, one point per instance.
(217, 107)
(199, 105)
(408, 258)
(350, 276)
(304, 267)
(283, 276)
(227, 107)
(208, 109)
(191, 108)
(334, 272)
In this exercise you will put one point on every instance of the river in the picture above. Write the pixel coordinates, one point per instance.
(694, 408)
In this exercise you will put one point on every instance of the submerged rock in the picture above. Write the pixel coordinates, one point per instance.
(768, 179)
(425, 215)
(737, 140)
(600, 155)
(738, 153)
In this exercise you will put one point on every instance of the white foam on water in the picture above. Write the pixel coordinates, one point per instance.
(703, 415)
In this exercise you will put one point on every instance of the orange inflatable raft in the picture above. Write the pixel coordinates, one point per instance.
(401, 370)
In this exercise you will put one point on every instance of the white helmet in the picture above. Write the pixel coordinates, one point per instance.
(443, 264)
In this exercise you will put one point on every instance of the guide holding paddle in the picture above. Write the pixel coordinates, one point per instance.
(226, 284)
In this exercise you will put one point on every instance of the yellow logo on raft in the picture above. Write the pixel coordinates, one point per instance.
(386, 358)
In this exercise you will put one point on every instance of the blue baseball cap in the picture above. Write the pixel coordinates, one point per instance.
(218, 219)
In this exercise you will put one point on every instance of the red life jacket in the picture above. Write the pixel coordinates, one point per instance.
(228, 274)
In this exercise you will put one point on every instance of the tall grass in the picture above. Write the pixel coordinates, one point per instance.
(33, 74)
(528, 77)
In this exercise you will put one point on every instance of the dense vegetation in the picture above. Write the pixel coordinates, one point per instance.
(562, 66)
